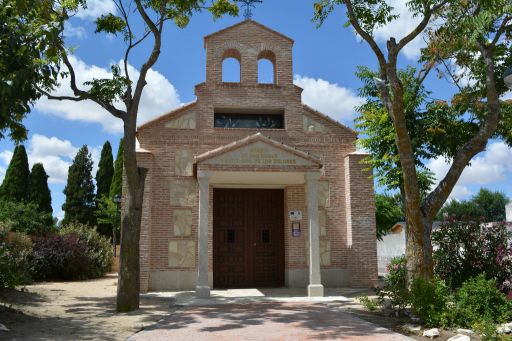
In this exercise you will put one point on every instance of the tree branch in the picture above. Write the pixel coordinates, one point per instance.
(421, 26)
(475, 145)
(86, 95)
(157, 33)
(365, 35)
(500, 31)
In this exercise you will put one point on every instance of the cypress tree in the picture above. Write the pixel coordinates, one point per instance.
(103, 182)
(39, 193)
(80, 201)
(117, 180)
(15, 185)
(105, 171)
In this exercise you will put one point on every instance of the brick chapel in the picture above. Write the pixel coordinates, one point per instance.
(248, 187)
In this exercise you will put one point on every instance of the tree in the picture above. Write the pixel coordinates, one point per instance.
(105, 171)
(79, 205)
(103, 182)
(153, 17)
(28, 58)
(485, 204)
(116, 185)
(15, 185)
(108, 214)
(471, 33)
(24, 217)
(39, 192)
(388, 211)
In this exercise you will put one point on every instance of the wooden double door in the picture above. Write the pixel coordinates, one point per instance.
(248, 238)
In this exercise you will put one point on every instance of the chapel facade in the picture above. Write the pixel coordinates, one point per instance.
(249, 187)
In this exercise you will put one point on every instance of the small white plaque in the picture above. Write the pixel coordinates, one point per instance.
(295, 215)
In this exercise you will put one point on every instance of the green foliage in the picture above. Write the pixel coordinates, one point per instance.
(478, 300)
(388, 212)
(80, 205)
(372, 14)
(14, 255)
(117, 180)
(15, 184)
(487, 330)
(485, 204)
(456, 44)
(103, 182)
(105, 171)
(39, 192)
(25, 217)
(430, 302)
(368, 303)
(29, 39)
(378, 132)
(108, 213)
(395, 284)
(467, 249)
(98, 248)
(109, 90)
(111, 23)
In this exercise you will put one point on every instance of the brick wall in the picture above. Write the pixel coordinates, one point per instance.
(360, 213)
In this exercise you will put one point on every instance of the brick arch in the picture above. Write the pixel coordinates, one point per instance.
(270, 56)
(235, 54)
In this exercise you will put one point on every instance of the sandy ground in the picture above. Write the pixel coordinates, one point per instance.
(86, 311)
(74, 311)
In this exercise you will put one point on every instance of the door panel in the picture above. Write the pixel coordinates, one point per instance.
(248, 240)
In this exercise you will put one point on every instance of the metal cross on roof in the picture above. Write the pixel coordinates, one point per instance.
(248, 4)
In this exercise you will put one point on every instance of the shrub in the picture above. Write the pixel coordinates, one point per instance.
(395, 284)
(478, 300)
(98, 248)
(59, 257)
(467, 249)
(368, 303)
(429, 301)
(14, 254)
(25, 217)
(76, 252)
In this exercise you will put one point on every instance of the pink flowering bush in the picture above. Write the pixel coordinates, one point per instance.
(395, 284)
(466, 249)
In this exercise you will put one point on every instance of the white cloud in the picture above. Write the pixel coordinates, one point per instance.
(489, 167)
(74, 31)
(400, 27)
(331, 99)
(159, 96)
(55, 154)
(95, 8)
(2, 174)
(6, 156)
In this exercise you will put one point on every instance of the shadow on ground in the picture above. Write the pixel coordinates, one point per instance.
(266, 321)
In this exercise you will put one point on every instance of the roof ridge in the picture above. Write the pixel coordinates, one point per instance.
(244, 22)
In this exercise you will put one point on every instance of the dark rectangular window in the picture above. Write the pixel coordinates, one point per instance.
(230, 236)
(265, 236)
(271, 119)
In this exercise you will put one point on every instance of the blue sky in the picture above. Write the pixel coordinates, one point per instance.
(325, 60)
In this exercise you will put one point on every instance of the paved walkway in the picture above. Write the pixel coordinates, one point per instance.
(252, 319)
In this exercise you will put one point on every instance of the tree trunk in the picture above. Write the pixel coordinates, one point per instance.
(128, 287)
(419, 250)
